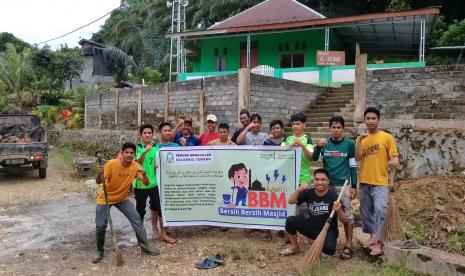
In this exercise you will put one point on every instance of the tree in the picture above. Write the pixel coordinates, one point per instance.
(19, 44)
(399, 5)
(14, 70)
(455, 35)
(59, 66)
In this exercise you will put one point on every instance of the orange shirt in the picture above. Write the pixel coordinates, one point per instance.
(118, 179)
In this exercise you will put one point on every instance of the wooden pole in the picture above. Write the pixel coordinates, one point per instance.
(201, 94)
(100, 111)
(243, 100)
(360, 87)
(167, 98)
(117, 109)
(139, 106)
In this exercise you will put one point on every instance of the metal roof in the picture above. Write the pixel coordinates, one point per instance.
(270, 12)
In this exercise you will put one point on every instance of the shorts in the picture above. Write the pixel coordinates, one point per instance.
(345, 202)
(141, 196)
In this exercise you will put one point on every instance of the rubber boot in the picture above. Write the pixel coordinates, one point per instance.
(100, 244)
(144, 244)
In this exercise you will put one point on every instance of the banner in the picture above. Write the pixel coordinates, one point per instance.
(231, 186)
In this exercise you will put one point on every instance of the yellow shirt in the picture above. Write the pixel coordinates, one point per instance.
(118, 179)
(374, 165)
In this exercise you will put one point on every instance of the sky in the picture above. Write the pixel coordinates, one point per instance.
(35, 21)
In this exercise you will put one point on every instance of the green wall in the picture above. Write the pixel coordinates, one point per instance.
(268, 51)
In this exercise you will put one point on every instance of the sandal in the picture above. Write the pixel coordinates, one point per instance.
(347, 253)
(377, 253)
(210, 262)
(206, 264)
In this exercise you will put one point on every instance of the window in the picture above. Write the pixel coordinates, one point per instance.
(304, 45)
(221, 64)
(292, 60)
(216, 52)
(225, 51)
(286, 47)
(297, 45)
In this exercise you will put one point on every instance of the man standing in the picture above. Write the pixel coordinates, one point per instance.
(376, 150)
(184, 137)
(165, 141)
(223, 130)
(251, 134)
(119, 174)
(300, 139)
(244, 117)
(211, 133)
(339, 159)
(320, 201)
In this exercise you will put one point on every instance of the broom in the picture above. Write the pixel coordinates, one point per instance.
(392, 229)
(119, 261)
(312, 256)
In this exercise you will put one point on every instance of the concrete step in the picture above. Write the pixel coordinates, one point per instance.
(347, 124)
(330, 105)
(344, 97)
(325, 128)
(318, 110)
(326, 101)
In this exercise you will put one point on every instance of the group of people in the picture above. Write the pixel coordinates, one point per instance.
(315, 196)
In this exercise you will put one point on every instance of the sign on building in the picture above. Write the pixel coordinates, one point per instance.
(330, 58)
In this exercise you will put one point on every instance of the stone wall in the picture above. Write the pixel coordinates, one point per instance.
(278, 99)
(436, 92)
(271, 98)
(92, 143)
(426, 152)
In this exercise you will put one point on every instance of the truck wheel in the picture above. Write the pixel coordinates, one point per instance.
(42, 172)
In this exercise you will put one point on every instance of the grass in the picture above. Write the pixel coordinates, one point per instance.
(240, 251)
(356, 268)
(65, 160)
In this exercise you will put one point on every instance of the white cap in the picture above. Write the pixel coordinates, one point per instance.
(211, 117)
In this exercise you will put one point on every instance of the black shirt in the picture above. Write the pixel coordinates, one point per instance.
(319, 207)
(236, 134)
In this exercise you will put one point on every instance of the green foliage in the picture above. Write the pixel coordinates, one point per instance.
(19, 44)
(441, 27)
(399, 5)
(150, 76)
(57, 67)
(454, 36)
(14, 71)
(52, 114)
(42, 110)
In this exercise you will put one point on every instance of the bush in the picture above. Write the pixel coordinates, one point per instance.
(52, 114)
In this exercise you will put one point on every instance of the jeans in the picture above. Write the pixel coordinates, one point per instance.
(125, 207)
(374, 204)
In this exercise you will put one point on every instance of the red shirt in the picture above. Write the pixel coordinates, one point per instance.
(207, 137)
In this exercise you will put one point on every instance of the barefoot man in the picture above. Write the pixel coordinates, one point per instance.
(376, 150)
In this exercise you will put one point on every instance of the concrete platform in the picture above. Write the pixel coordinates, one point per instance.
(424, 260)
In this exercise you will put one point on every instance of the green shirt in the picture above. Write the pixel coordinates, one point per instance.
(339, 160)
(148, 166)
(305, 171)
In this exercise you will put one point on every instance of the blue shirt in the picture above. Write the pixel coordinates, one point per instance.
(191, 141)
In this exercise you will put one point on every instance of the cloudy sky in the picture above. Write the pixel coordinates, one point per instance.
(36, 21)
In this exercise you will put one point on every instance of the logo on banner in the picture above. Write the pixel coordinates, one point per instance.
(250, 198)
(188, 158)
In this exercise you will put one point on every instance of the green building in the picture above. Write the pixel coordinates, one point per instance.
(281, 38)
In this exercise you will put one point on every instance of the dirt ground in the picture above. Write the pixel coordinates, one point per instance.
(47, 228)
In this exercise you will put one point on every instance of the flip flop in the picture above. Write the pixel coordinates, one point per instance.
(206, 264)
(217, 259)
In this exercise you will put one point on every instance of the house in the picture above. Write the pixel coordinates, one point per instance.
(98, 67)
(286, 39)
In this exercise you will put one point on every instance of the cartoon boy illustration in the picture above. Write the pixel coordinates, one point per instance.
(239, 177)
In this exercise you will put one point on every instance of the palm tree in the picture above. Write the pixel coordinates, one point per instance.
(14, 68)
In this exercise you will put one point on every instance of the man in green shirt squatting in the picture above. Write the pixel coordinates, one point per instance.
(146, 156)
(339, 159)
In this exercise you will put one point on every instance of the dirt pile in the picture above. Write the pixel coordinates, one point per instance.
(433, 212)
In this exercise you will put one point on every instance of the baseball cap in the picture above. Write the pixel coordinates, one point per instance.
(188, 120)
(211, 117)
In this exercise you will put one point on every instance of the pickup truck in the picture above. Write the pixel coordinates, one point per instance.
(23, 144)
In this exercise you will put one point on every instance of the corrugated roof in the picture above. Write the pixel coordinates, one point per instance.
(270, 12)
